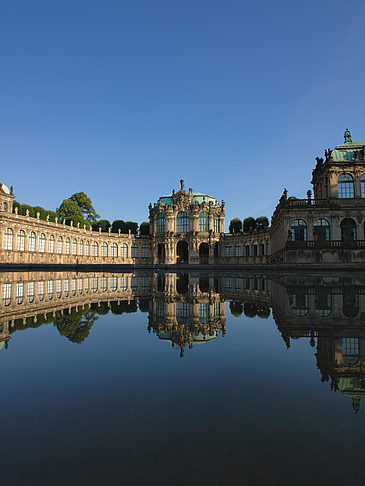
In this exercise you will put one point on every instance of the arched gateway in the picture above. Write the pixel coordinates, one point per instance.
(182, 252)
(204, 253)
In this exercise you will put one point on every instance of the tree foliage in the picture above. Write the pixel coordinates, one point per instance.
(70, 211)
(75, 325)
(144, 228)
(249, 224)
(124, 226)
(85, 204)
(104, 224)
(236, 308)
(262, 223)
(235, 226)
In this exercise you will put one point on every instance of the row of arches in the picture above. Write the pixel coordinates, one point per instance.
(71, 246)
(322, 230)
(249, 249)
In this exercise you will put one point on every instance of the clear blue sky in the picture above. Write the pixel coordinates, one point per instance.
(121, 99)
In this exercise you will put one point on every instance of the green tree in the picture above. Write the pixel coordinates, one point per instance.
(16, 205)
(52, 215)
(235, 226)
(23, 210)
(262, 223)
(104, 224)
(42, 212)
(131, 225)
(236, 308)
(249, 224)
(75, 325)
(118, 224)
(85, 204)
(144, 228)
(250, 309)
(70, 211)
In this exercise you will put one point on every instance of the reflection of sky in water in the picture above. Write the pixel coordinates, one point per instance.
(123, 408)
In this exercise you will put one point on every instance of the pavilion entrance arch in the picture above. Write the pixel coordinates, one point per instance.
(161, 253)
(182, 252)
(203, 253)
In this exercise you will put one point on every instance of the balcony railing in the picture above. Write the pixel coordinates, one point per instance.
(325, 245)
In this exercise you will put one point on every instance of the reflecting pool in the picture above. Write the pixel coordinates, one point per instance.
(168, 378)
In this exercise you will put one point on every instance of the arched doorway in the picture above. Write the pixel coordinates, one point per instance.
(182, 252)
(348, 230)
(203, 253)
(182, 283)
(161, 253)
(216, 251)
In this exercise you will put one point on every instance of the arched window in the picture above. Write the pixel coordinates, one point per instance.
(73, 286)
(124, 282)
(42, 243)
(182, 222)
(134, 253)
(30, 292)
(31, 241)
(8, 239)
(246, 250)
(237, 249)
(113, 282)
(267, 247)
(114, 250)
(67, 246)
(321, 230)
(300, 304)
(58, 288)
(160, 223)
(104, 249)
(103, 284)
(6, 294)
(51, 244)
(216, 228)
(345, 186)
(204, 221)
(79, 285)
(254, 249)
(19, 292)
(66, 287)
(350, 350)
(228, 250)
(362, 185)
(262, 248)
(95, 249)
(94, 284)
(298, 230)
(21, 240)
(59, 245)
(50, 289)
(87, 248)
(81, 247)
(40, 290)
(5, 206)
(348, 230)
(144, 251)
(74, 247)
(124, 250)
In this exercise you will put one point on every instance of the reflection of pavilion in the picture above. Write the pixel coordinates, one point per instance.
(186, 310)
(331, 310)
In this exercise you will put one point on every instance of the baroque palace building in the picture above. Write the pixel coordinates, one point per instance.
(187, 227)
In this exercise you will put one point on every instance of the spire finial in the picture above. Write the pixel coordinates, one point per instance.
(347, 135)
(182, 184)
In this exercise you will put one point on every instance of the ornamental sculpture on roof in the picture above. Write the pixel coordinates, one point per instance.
(347, 135)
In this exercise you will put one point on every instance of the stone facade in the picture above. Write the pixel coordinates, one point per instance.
(187, 227)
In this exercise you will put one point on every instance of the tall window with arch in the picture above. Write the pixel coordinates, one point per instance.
(345, 186)
(8, 239)
(42, 243)
(216, 227)
(95, 249)
(21, 240)
(67, 246)
(321, 230)
(204, 221)
(87, 248)
(124, 250)
(5, 206)
(51, 244)
(81, 247)
(134, 249)
(74, 247)
(31, 241)
(59, 245)
(348, 230)
(144, 251)
(350, 350)
(298, 230)
(114, 250)
(6, 294)
(160, 223)
(182, 222)
(104, 249)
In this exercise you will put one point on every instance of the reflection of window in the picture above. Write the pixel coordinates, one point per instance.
(124, 283)
(228, 283)
(300, 304)
(58, 288)
(94, 284)
(30, 292)
(350, 350)
(50, 289)
(103, 284)
(79, 285)
(216, 309)
(134, 282)
(160, 309)
(66, 287)
(113, 283)
(6, 293)
(204, 313)
(350, 306)
(182, 312)
(86, 285)
(323, 304)
(40, 290)
(19, 292)
(238, 283)
(145, 283)
(362, 185)
(73, 286)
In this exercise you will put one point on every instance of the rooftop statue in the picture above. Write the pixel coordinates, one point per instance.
(347, 136)
(182, 184)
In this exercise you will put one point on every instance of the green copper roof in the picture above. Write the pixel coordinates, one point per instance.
(5, 188)
(197, 197)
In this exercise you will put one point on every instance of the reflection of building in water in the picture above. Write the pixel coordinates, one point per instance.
(331, 310)
(186, 309)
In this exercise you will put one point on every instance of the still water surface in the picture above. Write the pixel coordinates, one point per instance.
(161, 379)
